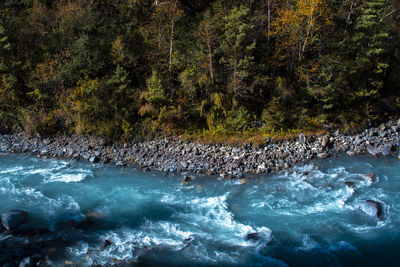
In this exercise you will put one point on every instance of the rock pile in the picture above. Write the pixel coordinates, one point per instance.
(172, 155)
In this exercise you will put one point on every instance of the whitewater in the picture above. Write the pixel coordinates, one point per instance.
(309, 215)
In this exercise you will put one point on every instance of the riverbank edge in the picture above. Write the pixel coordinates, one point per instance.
(173, 155)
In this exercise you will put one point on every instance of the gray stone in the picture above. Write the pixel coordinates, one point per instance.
(358, 140)
(302, 138)
(372, 208)
(325, 141)
(93, 159)
(267, 140)
(375, 151)
(323, 155)
(13, 218)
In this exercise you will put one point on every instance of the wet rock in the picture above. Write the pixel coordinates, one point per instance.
(106, 244)
(374, 151)
(23, 229)
(252, 237)
(13, 218)
(370, 177)
(350, 153)
(186, 180)
(372, 208)
(25, 262)
(67, 226)
(86, 224)
(386, 149)
(120, 164)
(93, 159)
(323, 155)
(46, 141)
(350, 184)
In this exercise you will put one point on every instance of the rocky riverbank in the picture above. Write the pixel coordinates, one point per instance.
(172, 155)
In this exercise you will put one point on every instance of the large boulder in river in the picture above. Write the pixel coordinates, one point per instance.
(374, 151)
(372, 208)
(13, 218)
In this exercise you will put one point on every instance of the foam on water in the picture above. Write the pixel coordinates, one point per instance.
(308, 215)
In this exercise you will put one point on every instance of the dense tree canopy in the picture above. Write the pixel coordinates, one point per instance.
(139, 68)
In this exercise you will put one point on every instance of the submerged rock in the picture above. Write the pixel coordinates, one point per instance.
(372, 208)
(252, 237)
(350, 184)
(105, 245)
(370, 177)
(13, 219)
(186, 180)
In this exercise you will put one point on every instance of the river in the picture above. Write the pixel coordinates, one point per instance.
(307, 216)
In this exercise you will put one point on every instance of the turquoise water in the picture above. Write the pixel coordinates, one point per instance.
(305, 217)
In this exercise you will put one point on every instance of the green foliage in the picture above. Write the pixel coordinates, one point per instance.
(155, 89)
(133, 69)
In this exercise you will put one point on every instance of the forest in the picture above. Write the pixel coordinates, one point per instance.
(139, 69)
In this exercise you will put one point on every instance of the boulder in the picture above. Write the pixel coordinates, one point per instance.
(370, 177)
(186, 180)
(350, 153)
(93, 159)
(372, 208)
(323, 155)
(350, 184)
(386, 149)
(374, 151)
(5, 148)
(252, 237)
(13, 218)
(106, 244)
(86, 224)
(325, 141)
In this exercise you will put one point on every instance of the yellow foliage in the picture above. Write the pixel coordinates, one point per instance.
(147, 109)
(296, 27)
